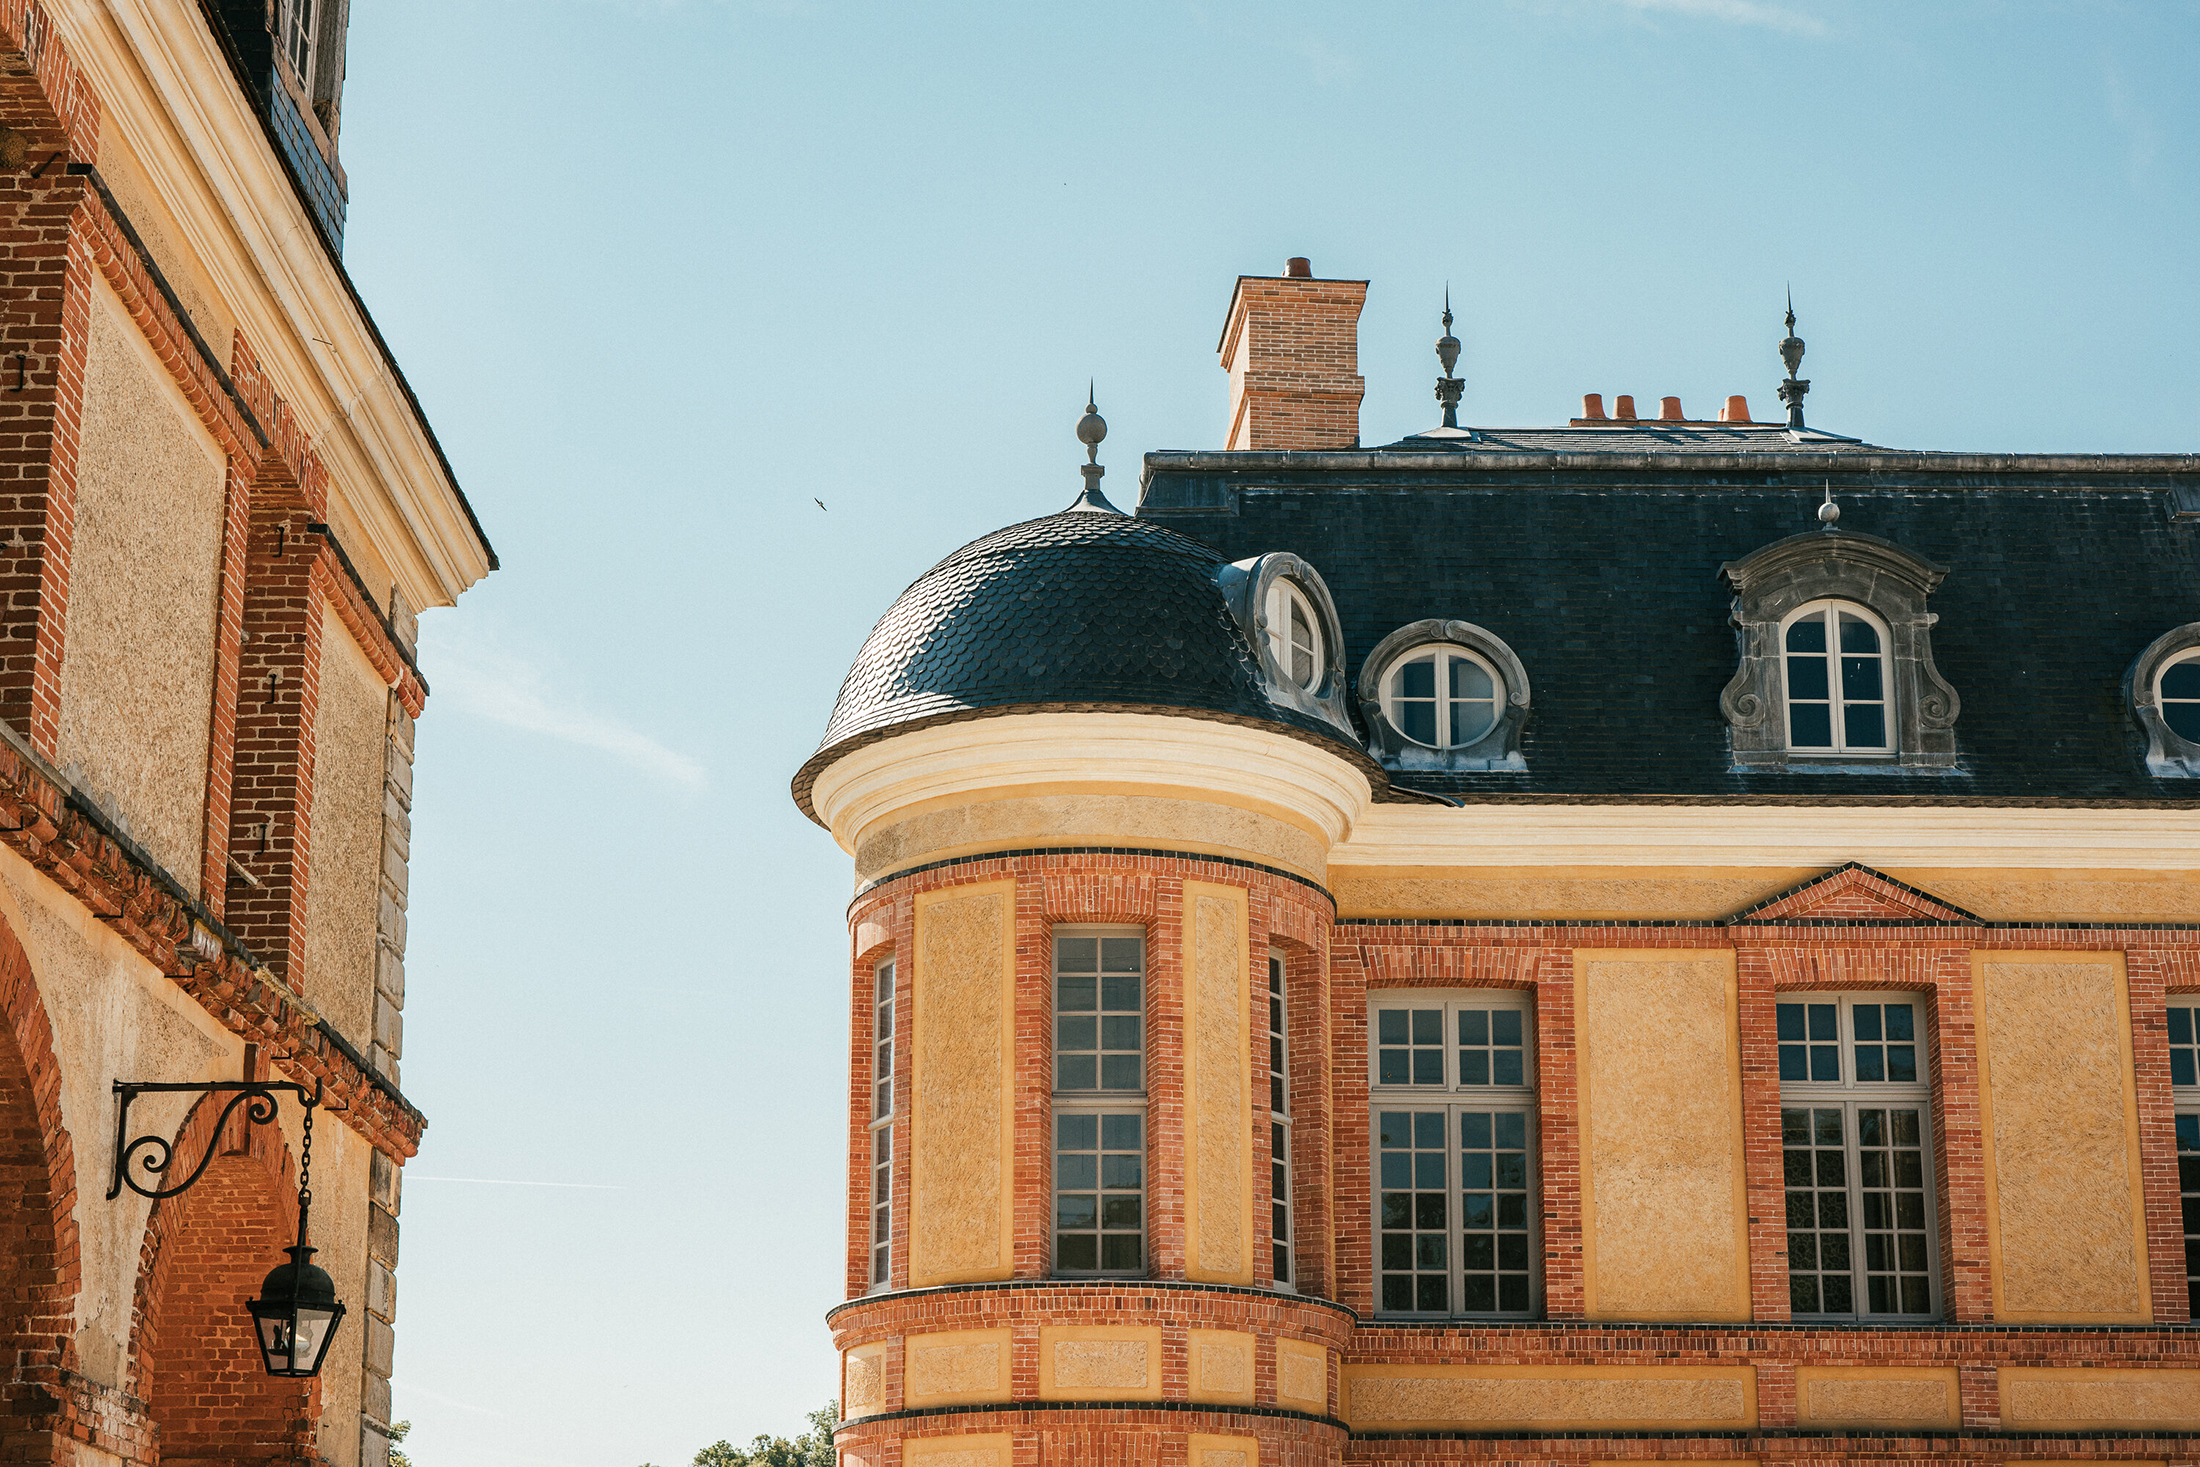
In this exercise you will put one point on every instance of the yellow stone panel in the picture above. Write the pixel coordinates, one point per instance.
(1079, 1362)
(962, 1069)
(1220, 1365)
(1222, 1451)
(863, 1381)
(991, 1450)
(955, 1368)
(1876, 1396)
(2065, 1216)
(1218, 1070)
(1550, 1397)
(1663, 1197)
(2070, 1399)
(1302, 1375)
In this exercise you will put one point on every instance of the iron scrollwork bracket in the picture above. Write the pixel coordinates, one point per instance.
(258, 1096)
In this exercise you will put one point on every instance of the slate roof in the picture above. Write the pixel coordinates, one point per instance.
(1640, 436)
(1599, 566)
(1078, 611)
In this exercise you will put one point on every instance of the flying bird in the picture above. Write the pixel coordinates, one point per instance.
(819, 503)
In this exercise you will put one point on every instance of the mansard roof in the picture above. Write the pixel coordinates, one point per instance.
(1595, 553)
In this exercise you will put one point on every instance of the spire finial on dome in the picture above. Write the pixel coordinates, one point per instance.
(1449, 389)
(1829, 513)
(1791, 352)
(1091, 428)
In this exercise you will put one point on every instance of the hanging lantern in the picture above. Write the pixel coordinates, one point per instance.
(296, 1315)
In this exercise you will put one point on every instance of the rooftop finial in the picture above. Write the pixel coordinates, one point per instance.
(1791, 352)
(1449, 389)
(1091, 428)
(1829, 513)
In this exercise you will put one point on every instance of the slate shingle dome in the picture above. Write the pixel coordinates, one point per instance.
(1082, 611)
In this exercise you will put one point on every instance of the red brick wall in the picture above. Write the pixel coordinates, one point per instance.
(1293, 348)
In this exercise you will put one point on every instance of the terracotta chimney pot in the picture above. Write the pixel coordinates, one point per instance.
(1592, 405)
(1623, 408)
(1298, 267)
(1669, 408)
(1737, 410)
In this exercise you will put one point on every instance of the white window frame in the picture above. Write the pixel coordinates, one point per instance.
(1102, 1103)
(1282, 1239)
(881, 1128)
(1851, 1096)
(1444, 652)
(1830, 609)
(1283, 598)
(2163, 703)
(295, 32)
(2185, 1102)
(1454, 1098)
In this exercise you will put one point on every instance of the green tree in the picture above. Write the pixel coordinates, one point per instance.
(397, 1434)
(813, 1448)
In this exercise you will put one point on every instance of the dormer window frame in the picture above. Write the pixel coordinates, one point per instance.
(1262, 592)
(2169, 754)
(1830, 613)
(1773, 587)
(1496, 750)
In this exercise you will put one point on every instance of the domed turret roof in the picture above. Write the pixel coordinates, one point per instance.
(1088, 610)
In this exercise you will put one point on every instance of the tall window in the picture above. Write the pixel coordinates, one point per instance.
(296, 25)
(1294, 633)
(1279, 1125)
(1454, 1140)
(1443, 697)
(1835, 661)
(1855, 1128)
(1099, 1102)
(2184, 1089)
(882, 1123)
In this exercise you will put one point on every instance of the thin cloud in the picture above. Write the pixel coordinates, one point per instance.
(1734, 12)
(511, 691)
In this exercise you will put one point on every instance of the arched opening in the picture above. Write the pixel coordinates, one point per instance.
(198, 1369)
(34, 1312)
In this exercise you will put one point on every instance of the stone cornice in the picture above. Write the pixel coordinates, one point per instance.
(64, 838)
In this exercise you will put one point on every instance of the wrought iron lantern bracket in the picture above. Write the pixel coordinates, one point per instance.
(257, 1096)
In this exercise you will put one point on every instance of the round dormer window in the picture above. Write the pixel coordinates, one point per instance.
(1294, 633)
(1443, 697)
(2177, 692)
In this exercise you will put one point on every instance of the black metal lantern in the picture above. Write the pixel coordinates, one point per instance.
(296, 1315)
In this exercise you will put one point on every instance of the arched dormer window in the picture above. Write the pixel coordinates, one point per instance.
(1836, 657)
(1444, 695)
(1290, 626)
(1835, 675)
(2163, 691)
(1294, 632)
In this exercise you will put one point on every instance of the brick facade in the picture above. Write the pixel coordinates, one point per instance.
(1851, 930)
(1291, 347)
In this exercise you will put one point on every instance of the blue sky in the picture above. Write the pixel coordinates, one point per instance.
(667, 274)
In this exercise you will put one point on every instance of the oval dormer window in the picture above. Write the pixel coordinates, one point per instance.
(1443, 697)
(2177, 692)
(1294, 633)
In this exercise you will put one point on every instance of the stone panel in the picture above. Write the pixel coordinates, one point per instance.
(2065, 1215)
(1222, 1451)
(962, 1064)
(1664, 1209)
(1218, 1150)
(1220, 1366)
(1302, 1375)
(1876, 1397)
(863, 1381)
(1099, 1363)
(2099, 1400)
(1549, 1398)
(990, 1450)
(955, 1368)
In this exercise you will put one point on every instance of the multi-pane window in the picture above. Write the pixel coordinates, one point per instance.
(1444, 697)
(1855, 1118)
(2184, 1080)
(296, 20)
(882, 1122)
(1834, 658)
(2177, 694)
(1453, 1133)
(1099, 1102)
(1279, 1125)
(1294, 633)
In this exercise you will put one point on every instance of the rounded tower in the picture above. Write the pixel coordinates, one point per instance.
(1090, 774)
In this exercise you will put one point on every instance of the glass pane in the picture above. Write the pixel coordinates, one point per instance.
(1807, 678)
(2182, 679)
(1410, 1248)
(2183, 719)
(1469, 680)
(1417, 679)
(1860, 679)
(1808, 634)
(1858, 635)
(1417, 721)
(1814, 1162)
(1810, 726)
(1864, 726)
(1896, 1249)
(1470, 722)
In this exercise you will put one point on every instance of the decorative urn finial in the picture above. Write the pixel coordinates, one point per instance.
(1091, 429)
(1791, 352)
(1449, 389)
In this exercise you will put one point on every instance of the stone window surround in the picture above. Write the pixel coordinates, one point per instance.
(1837, 565)
(1245, 585)
(2170, 755)
(1497, 750)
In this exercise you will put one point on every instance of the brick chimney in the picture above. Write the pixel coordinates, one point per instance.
(1292, 349)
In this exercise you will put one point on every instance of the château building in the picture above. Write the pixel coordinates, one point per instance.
(1646, 938)
(223, 510)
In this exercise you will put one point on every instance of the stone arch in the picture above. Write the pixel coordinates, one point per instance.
(192, 1357)
(39, 1263)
